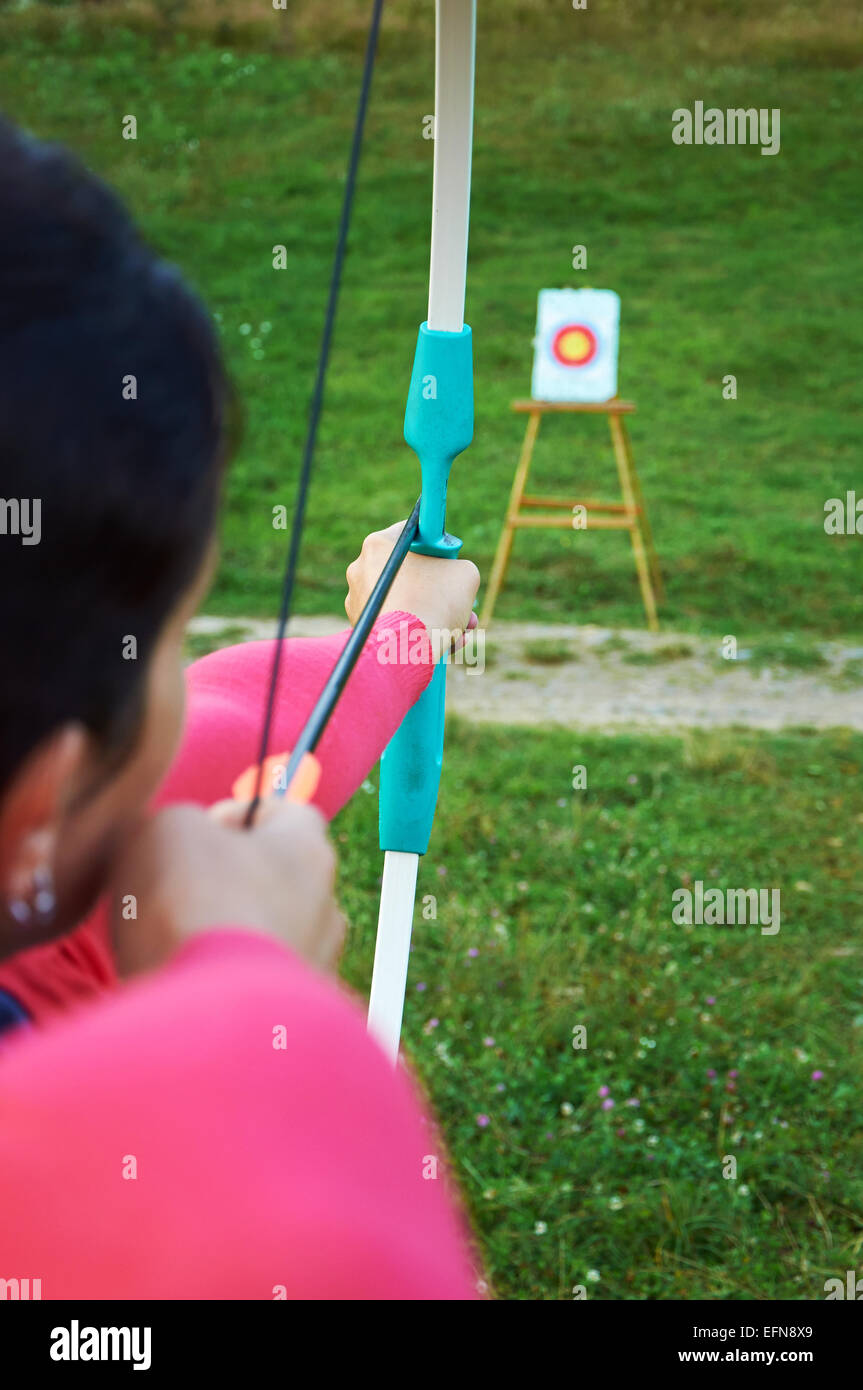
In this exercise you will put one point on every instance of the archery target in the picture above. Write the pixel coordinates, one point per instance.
(575, 348)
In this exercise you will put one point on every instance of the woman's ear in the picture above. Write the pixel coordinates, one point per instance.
(31, 815)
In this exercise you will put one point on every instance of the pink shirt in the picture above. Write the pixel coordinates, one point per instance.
(224, 1128)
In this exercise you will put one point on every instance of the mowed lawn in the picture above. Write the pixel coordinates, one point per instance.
(548, 909)
(554, 911)
(727, 262)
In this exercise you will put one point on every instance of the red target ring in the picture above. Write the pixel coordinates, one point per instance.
(574, 345)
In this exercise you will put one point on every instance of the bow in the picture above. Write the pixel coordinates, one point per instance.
(438, 426)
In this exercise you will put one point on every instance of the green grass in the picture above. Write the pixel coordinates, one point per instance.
(727, 262)
(850, 675)
(660, 656)
(549, 652)
(788, 653)
(614, 645)
(566, 898)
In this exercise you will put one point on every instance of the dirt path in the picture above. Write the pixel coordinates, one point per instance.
(592, 677)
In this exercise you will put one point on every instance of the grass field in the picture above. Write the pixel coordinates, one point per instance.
(726, 261)
(554, 910)
(553, 906)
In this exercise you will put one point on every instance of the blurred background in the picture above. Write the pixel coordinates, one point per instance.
(549, 904)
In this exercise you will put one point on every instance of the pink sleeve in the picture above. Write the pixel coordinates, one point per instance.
(227, 691)
(225, 708)
(224, 1129)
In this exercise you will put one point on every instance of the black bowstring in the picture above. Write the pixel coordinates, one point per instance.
(317, 399)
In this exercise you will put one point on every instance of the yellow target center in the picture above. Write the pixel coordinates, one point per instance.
(574, 345)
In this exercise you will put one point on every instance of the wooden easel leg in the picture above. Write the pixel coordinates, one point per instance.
(504, 545)
(646, 531)
(641, 565)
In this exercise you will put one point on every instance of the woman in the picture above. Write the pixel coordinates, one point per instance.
(221, 1126)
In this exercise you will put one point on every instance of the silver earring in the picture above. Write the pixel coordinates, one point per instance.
(45, 900)
(21, 911)
(41, 910)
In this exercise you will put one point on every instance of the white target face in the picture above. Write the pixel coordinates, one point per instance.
(575, 348)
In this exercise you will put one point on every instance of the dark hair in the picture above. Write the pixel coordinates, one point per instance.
(128, 488)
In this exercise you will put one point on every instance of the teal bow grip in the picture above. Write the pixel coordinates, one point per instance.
(438, 426)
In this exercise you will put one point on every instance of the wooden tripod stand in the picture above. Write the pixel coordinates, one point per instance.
(629, 515)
